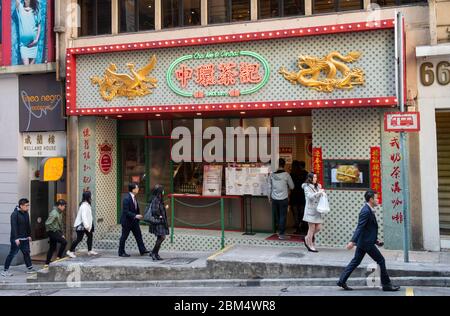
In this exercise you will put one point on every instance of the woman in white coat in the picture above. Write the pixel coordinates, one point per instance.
(313, 192)
(83, 225)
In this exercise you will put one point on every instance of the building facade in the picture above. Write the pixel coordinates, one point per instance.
(236, 63)
(31, 116)
(433, 61)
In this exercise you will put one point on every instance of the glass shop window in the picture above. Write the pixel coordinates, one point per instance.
(327, 6)
(226, 11)
(179, 13)
(280, 8)
(95, 17)
(387, 3)
(136, 15)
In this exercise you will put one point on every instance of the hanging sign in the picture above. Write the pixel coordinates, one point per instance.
(402, 122)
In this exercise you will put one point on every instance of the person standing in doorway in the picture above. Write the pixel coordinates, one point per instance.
(54, 227)
(130, 221)
(84, 225)
(20, 237)
(158, 224)
(297, 198)
(365, 239)
(313, 191)
(279, 183)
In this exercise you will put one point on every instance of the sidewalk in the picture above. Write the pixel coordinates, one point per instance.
(237, 266)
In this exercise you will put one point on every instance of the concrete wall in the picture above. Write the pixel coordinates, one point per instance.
(431, 98)
(13, 171)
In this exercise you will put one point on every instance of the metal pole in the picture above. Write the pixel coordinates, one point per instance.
(403, 153)
(172, 203)
(222, 223)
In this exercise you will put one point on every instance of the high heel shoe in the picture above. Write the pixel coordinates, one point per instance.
(309, 249)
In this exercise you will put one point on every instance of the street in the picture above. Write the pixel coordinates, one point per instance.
(230, 291)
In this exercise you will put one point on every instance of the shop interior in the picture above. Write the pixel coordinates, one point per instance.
(145, 158)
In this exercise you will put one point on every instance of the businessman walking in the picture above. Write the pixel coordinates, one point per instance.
(130, 221)
(365, 239)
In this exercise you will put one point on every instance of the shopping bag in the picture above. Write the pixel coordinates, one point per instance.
(323, 206)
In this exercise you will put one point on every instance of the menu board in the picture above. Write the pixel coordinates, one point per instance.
(243, 180)
(212, 180)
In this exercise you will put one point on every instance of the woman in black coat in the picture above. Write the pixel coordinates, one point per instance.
(158, 225)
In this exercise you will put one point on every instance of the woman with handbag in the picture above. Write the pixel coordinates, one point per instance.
(84, 225)
(158, 220)
(313, 193)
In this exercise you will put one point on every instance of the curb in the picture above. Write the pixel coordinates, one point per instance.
(402, 281)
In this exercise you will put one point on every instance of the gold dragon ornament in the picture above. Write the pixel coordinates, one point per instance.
(311, 67)
(115, 84)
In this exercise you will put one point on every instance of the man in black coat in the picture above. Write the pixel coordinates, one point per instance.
(365, 239)
(130, 221)
(20, 237)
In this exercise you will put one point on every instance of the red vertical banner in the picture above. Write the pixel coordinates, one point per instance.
(375, 171)
(6, 32)
(50, 34)
(318, 164)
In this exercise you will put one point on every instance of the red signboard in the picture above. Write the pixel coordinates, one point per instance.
(318, 163)
(375, 171)
(402, 122)
(105, 160)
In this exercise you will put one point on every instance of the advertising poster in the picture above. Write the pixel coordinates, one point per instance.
(212, 180)
(1, 35)
(28, 32)
(347, 174)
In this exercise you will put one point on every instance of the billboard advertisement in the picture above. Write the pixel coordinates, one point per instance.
(26, 35)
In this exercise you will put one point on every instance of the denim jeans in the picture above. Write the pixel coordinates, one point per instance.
(279, 210)
(24, 246)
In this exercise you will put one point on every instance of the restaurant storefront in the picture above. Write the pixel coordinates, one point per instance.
(325, 88)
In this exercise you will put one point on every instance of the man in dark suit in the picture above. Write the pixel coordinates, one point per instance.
(130, 221)
(365, 239)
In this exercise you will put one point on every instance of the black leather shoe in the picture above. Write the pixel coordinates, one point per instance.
(344, 286)
(125, 255)
(153, 256)
(391, 288)
(309, 249)
(145, 252)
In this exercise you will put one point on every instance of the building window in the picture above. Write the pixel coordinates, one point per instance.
(386, 3)
(279, 8)
(136, 15)
(178, 13)
(225, 11)
(95, 17)
(326, 6)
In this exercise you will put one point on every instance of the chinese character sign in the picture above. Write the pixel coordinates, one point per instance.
(87, 155)
(375, 171)
(318, 163)
(394, 175)
(218, 73)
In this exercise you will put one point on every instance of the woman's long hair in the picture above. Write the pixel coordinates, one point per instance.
(157, 193)
(87, 197)
(310, 178)
(34, 4)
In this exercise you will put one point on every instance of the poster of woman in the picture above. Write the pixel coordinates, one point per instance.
(28, 30)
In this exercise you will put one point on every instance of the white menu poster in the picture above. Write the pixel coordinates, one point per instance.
(247, 180)
(212, 180)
